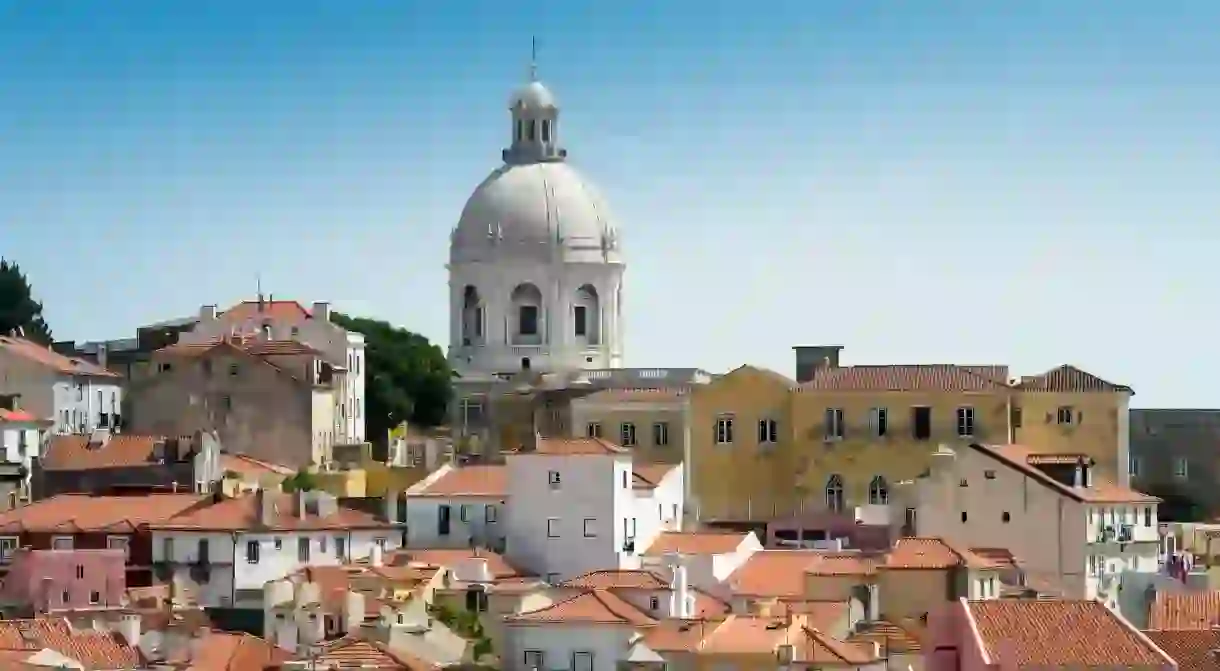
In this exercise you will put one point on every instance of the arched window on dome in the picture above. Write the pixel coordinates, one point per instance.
(546, 130)
(834, 493)
(586, 316)
(526, 302)
(472, 316)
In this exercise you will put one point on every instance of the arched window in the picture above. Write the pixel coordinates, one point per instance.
(586, 315)
(472, 316)
(878, 491)
(834, 493)
(527, 313)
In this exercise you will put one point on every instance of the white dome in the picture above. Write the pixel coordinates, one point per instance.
(533, 96)
(530, 210)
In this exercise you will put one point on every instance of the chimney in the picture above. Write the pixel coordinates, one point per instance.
(129, 628)
(376, 557)
(812, 358)
(266, 507)
(1078, 476)
(207, 313)
(391, 506)
(302, 500)
(681, 603)
(98, 439)
(320, 311)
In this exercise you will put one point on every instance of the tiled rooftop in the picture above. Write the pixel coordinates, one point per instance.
(44, 356)
(695, 542)
(243, 513)
(96, 650)
(1187, 610)
(79, 512)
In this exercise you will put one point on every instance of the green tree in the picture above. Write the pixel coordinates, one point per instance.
(302, 481)
(407, 377)
(18, 309)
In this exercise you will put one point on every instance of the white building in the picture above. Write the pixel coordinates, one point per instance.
(535, 269)
(22, 437)
(571, 506)
(78, 395)
(227, 552)
(289, 320)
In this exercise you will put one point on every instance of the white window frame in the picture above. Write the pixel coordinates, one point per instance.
(965, 421)
(626, 434)
(57, 541)
(584, 655)
(660, 434)
(590, 527)
(489, 513)
(553, 479)
(552, 527)
(768, 431)
(1181, 468)
(834, 424)
(724, 430)
(120, 543)
(878, 422)
(8, 546)
(1065, 415)
(593, 430)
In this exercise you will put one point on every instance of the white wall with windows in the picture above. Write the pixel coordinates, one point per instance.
(454, 522)
(537, 647)
(82, 404)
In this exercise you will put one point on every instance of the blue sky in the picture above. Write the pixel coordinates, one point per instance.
(1029, 183)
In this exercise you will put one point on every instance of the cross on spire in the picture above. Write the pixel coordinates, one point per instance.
(533, 59)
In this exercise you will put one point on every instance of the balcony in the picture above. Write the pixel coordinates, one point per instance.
(629, 546)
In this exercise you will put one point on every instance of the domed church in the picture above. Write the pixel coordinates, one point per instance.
(535, 263)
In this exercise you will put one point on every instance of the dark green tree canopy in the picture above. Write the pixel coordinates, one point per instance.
(18, 309)
(406, 378)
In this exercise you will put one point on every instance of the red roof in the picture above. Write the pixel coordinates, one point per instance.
(18, 416)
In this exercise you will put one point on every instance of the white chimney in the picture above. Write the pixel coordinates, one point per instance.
(320, 311)
(681, 601)
(375, 556)
(129, 628)
(207, 313)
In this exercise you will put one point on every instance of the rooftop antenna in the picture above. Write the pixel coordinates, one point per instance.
(533, 59)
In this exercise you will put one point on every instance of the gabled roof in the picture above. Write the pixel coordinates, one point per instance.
(1194, 649)
(1018, 457)
(1024, 633)
(349, 653)
(242, 514)
(914, 377)
(96, 650)
(228, 651)
(597, 606)
(69, 513)
(74, 452)
(21, 416)
(932, 553)
(46, 357)
(1069, 379)
(264, 309)
(575, 447)
(695, 542)
(617, 579)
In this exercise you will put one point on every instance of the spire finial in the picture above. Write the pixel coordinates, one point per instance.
(258, 286)
(533, 59)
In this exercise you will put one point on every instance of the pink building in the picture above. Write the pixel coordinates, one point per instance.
(40, 581)
(1011, 634)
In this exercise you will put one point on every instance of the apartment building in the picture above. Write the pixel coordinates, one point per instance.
(77, 395)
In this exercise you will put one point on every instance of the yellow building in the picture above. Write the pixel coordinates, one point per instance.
(649, 421)
(764, 445)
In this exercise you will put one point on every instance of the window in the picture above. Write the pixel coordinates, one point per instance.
(527, 320)
(626, 432)
(626, 483)
(302, 549)
(963, 516)
(251, 552)
(989, 475)
(878, 491)
(443, 514)
(322, 544)
(660, 434)
(80, 572)
(380, 542)
(8, 546)
(227, 402)
(233, 369)
(340, 547)
(489, 513)
(578, 319)
(1148, 516)
(590, 527)
(119, 543)
(167, 549)
(464, 513)
(279, 543)
(834, 493)
(61, 543)
(1014, 417)
(834, 423)
(552, 527)
(65, 597)
(593, 430)
(653, 603)
(921, 423)
(1133, 466)
(582, 661)
(1005, 517)
(724, 431)
(768, 431)
(1181, 468)
(552, 478)
(533, 659)
(965, 422)
(878, 422)
(1064, 414)
(95, 598)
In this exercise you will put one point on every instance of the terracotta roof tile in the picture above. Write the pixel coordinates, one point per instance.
(476, 481)
(918, 377)
(932, 553)
(121, 450)
(1025, 633)
(892, 638)
(247, 466)
(596, 606)
(1017, 456)
(96, 650)
(744, 635)
(773, 573)
(245, 310)
(1189, 610)
(242, 513)
(648, 476)
(450, 557)
(818, 647)
(19, 416)
(694, 542)
(1193, 649)
(225, 651)
(80, 512)
(576, 447)
(829, 564)
(617, 579)
(678, 635)
(351, 653)
(1068, 379)
(44, 356)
